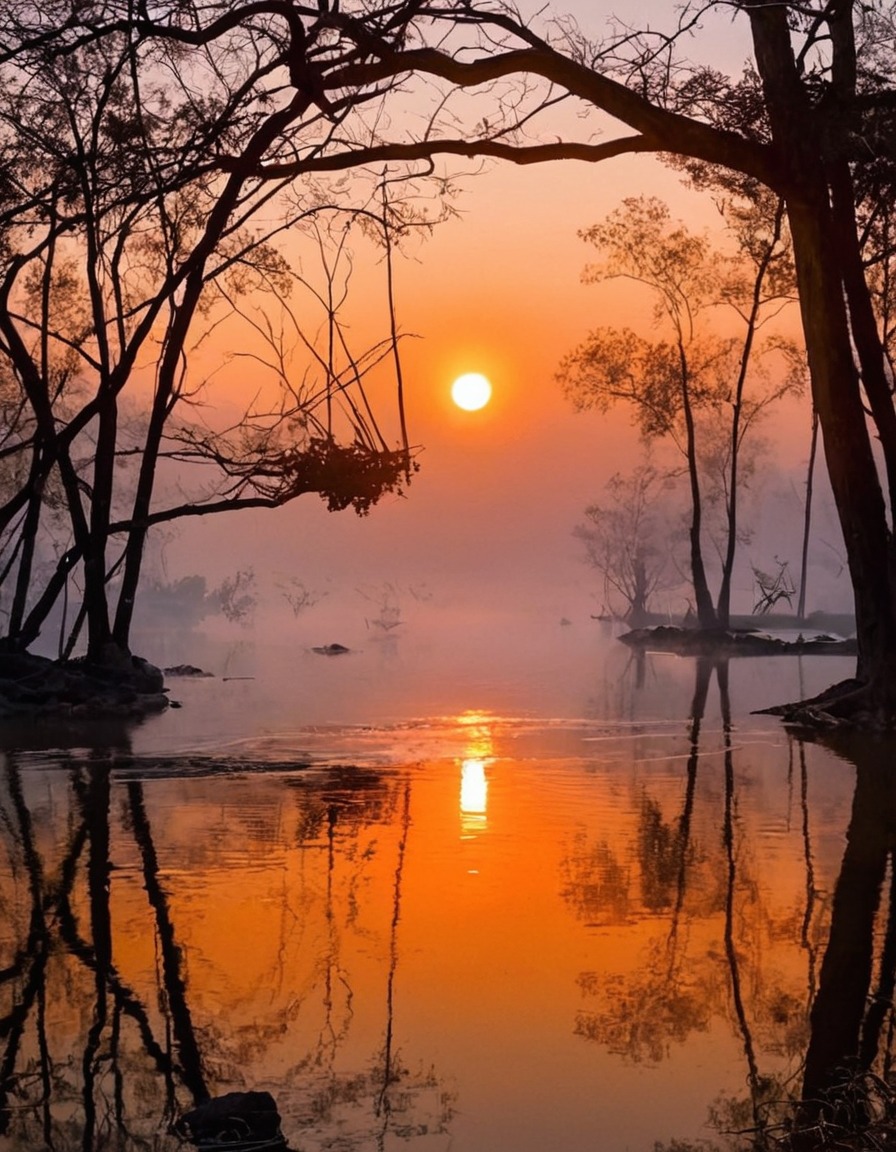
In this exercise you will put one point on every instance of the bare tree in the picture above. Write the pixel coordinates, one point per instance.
(127, 233)
(297, 594)
(627, 539)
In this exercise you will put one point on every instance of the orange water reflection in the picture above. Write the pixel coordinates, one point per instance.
(639, 915)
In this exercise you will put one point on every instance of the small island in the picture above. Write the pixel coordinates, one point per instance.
(723, 643)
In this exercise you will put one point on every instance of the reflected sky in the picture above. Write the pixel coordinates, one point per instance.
(477, 929)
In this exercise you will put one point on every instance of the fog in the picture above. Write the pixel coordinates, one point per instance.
(487, 522)
(489, 517)
(404, 695)
(485, 530)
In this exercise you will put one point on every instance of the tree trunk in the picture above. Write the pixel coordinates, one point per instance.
(723, 604)
(99, 631)
(863, 323)
(807, 517)
(835, 382)
(28, 538)
(706, 613)
(847, 445)
(637, 611)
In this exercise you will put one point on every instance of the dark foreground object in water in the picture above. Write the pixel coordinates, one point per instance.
(239, 1121)
(720, 642)
(33, 687)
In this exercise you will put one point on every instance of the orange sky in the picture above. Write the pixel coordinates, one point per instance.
(498, 291)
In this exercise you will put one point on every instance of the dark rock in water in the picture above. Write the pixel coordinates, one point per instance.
(187, 670)
(331, 650)
(240, 1121)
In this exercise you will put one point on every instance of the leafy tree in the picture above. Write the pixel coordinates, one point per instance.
(690, 370)
(235, 597)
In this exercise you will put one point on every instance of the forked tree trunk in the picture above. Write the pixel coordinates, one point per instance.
(706, 612)
(848, 451)
(835, 380)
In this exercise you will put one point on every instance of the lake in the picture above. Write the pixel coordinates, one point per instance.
(486, 886)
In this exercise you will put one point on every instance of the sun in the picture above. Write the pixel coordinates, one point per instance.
(471, 391)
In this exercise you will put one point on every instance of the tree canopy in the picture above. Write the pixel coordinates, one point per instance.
(692, 385)
(808, 116)
(130, 243)
(278, 92)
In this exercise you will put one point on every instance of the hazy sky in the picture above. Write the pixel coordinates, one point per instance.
(496, 290)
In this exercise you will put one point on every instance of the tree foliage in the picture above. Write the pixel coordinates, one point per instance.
(135, 249)
(701, 390)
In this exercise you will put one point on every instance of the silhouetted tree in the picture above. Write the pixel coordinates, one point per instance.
(627, 539)
(690, 371)
(137, 215)
(810, 118)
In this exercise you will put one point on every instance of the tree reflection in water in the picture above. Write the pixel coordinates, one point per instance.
(844, 1095)
(162, 941)
(847, 1083)
(668, 997)
(107, 1032)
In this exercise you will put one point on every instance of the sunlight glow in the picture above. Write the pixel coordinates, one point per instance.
(471, 391)
(473, 788)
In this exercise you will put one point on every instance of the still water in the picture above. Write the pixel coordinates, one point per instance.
(441, 892)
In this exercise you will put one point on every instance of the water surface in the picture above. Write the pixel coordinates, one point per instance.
(440, 892)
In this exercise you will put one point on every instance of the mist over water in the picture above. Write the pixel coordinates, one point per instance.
(486, 881)
(440, 662)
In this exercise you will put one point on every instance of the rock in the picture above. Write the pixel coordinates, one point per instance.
(236, 1120)
(149, 676)
(187, 670)
(331, 650)
(723, 643)
(33, 687)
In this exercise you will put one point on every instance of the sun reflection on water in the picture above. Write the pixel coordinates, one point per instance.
(473, 777)
(473, 797)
